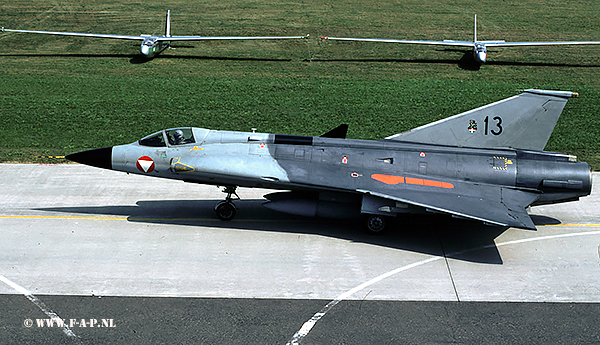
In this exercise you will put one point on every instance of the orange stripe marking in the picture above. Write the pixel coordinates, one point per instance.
(447, 185)
(391, 179)
(388, 179)
(411, 180)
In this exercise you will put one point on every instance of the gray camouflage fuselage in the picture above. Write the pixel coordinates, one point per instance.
(351, 166)
(430, 168)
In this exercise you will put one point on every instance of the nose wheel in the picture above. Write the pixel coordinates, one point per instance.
(226, 209)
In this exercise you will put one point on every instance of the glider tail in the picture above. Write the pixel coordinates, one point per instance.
(168, 24)
(475, 29)
(525, 121)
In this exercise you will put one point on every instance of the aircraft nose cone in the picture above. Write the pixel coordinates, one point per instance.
(482, 57)
(100, 158)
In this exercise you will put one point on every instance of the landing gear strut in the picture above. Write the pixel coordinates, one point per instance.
(226, 209)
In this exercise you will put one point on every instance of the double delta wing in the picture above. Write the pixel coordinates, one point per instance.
(521, 122)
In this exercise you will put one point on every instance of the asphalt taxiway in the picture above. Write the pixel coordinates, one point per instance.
(84, 243)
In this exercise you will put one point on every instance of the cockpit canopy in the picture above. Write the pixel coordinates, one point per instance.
(480, 48)
(174, 136)
(150, 41)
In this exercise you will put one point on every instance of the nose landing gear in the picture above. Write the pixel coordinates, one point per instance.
(226, 209)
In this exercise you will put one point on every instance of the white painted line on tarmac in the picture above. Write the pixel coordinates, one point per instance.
(308, 325)
(39, 304)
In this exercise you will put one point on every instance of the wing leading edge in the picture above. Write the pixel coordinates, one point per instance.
(80, 34)
(207, 38)
(385, 40)
(498, 44)
(491, 204)
(551, 43)
(158, 38)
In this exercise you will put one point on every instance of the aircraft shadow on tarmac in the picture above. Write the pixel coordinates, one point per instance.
(432, 234)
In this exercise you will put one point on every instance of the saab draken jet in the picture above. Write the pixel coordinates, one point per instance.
(479, 47)
(486, 164)
(153, 45)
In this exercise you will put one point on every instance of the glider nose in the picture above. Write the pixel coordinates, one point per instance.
(481, 57)
(145, 50)
(100, 158)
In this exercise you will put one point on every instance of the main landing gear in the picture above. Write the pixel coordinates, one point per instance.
(376, 224)
(226, 209)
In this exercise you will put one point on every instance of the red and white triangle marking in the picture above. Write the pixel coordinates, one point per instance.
(145, 164)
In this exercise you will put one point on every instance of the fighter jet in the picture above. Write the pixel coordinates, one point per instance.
(485, 164)
(479, 47)
(152, 45)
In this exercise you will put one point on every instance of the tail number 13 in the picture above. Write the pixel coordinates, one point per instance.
(496, 125)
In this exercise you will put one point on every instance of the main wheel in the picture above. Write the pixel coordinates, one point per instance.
(375, 224)
(225, 210)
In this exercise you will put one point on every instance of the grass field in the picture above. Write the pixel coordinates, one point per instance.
(60, 95)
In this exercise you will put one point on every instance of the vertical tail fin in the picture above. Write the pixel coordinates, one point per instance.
(475, 29)
(168, 24)
(525, 121)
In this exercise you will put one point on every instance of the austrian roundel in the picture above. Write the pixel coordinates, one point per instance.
(145, 164)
